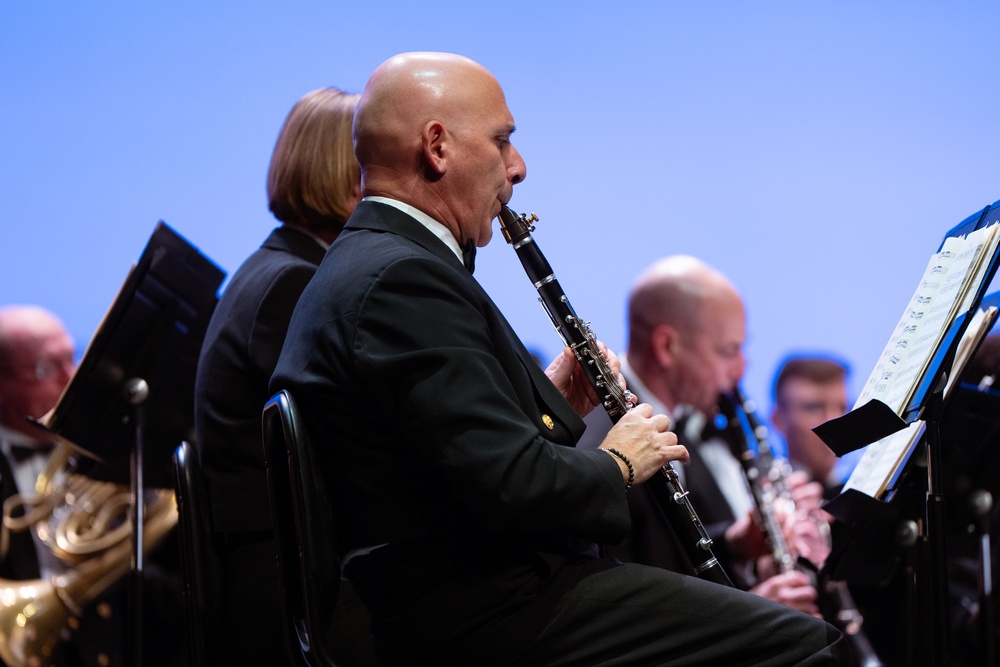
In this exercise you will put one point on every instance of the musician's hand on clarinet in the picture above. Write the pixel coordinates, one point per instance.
(745, 539)
(645, 439)
(807, 534)
(791, 589)
(804, 526)
(806, 494)
(569, 378)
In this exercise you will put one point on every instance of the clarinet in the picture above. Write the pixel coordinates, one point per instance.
(738, 428)
(576, 334)
(741, 425)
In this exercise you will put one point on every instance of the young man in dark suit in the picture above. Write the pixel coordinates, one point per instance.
(468, 520)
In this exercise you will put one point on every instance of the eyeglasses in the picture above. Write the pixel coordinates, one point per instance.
(46, 368)
(49, 367)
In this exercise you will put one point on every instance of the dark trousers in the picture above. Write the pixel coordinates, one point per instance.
(252, 620)
(250, 623)
(637, 615)
(580, 612)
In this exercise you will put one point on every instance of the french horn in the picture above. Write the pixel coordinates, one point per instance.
(83, 523)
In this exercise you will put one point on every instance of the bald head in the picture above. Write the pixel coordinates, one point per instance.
(686, 332)
(673, 291)
(36, 362)
(405, 92)
(432, 130)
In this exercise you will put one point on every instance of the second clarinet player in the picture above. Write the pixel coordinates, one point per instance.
(576, 334)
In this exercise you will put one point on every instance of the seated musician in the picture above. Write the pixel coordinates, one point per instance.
(313, 184)
(468, 518)
(808, 391)
(687, 327)
(36, 363)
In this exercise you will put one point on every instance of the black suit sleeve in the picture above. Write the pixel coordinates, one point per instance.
(430, 349)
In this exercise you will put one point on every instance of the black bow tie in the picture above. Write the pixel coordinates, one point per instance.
(21, 453)
(710, 429)
(469, 255)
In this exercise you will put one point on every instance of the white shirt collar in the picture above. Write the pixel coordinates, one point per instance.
(432, 225)
(635, 385)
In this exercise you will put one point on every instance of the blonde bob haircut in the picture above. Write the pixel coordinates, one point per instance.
(313, 169)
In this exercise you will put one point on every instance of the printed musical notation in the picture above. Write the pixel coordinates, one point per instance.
(946, 290)
(881, 460)
(880, 464)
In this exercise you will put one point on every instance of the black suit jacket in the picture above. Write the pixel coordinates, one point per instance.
(438, 434)
(653, 540)
(240, 351)
(21, 559)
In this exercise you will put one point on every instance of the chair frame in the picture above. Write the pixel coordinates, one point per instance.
(199, 556)
(308, 565)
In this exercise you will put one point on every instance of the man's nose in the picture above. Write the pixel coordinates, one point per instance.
(517, 171)
(737, 369)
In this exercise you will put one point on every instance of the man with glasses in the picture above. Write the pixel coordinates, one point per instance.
(36, 363)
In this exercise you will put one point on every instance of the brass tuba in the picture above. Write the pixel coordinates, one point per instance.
(83, 523)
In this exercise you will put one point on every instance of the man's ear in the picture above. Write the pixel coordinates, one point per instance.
(663, 340)
(434, 147)
(778, 419)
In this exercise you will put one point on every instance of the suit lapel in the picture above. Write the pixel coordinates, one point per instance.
(379, 217)
(557, 418)
(555, 413)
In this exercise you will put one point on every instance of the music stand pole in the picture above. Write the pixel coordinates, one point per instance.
(936, 561)
(981, 504)
(908, 539)
(136, 393)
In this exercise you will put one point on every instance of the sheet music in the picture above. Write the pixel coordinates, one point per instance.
(944, 291)
(881, 461)
(980, 325)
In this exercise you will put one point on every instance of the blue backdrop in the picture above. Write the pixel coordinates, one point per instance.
(814, 152)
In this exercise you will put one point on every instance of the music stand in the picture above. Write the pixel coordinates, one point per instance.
(875, 420)
(133, 392)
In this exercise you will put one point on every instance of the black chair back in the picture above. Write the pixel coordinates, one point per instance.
(199, 557)
(308, 565)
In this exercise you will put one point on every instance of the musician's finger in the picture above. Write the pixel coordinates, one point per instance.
(613, 361)
(797, 579)
(796, 478)
(803, 598)
(643, 410)
(662, 423)
(678, 453)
